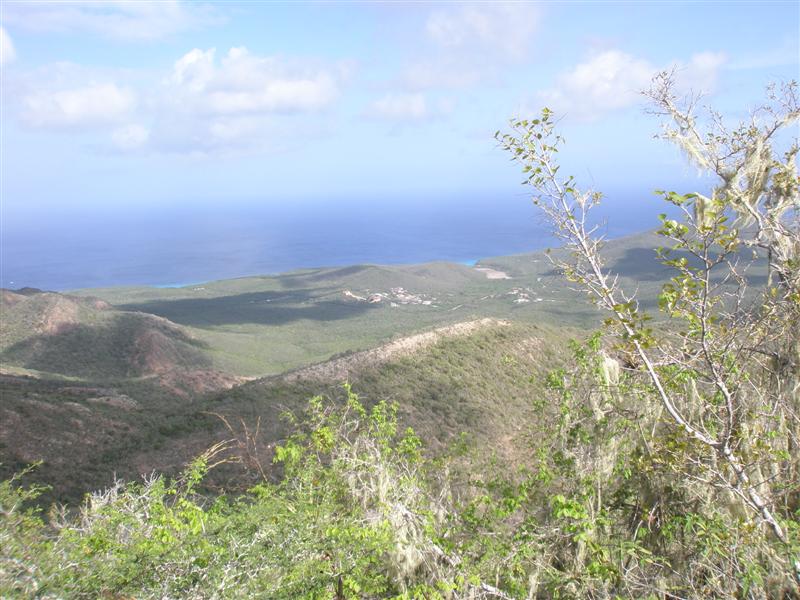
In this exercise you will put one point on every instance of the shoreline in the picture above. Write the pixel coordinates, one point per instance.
(471, 263)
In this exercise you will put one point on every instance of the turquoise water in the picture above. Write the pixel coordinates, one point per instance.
(176, 285)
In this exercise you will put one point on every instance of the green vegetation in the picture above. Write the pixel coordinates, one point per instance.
(260, 326)
(656, 458)
(360, 512)
(352, 517)
(85, 433)
(718, 388)
(86, 338)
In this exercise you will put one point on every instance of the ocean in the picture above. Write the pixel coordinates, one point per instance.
(176, 246)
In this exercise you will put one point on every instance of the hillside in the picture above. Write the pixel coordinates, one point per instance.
(477, 378)
(479, 381)
(259, 326)
(505, 463)
(134, 372)
(53, 335)
(82, 433)
(169, 350)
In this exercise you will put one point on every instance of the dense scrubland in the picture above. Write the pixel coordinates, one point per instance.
(523, 449)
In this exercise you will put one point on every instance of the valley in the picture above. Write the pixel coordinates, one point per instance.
(120, 382)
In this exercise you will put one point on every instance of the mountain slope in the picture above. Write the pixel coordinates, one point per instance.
(479, 379)
(86, 338)
(259, 326)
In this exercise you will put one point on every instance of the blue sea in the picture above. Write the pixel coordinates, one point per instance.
(180, 245)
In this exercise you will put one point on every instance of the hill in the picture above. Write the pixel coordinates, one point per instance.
(478, 379)
(121, 384)
(259, 326)
(82, 433)
(124, 379)
(53, 335)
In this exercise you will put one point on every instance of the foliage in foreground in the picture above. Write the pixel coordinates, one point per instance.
(663, 464)
(352, 517)
(718, 386)
(361, 513)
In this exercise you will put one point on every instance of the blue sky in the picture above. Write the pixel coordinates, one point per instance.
(130, 106)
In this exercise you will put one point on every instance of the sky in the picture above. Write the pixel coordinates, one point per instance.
(110, 107)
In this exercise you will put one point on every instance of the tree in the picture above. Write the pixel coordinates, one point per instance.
(721, 372)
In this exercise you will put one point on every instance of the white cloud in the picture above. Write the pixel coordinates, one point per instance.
(614, 80)
(7, 52)
(470, 44)
(409, 107)
(701, 73)
(503, 28)
(447, 73)
(245, 83)
(92, 105)
(400, 107)
(608, 81)
(205, 104)
(130, 137)
(116, 19)
(231, 135)
(194, 69)
(233, 129)
(239, 102)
